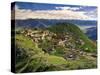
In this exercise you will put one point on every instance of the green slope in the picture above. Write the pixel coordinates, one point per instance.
(62, 28)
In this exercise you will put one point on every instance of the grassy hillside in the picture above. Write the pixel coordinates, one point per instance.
(60, 47)
(62, 28)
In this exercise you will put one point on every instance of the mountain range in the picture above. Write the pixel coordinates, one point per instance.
(91, 31)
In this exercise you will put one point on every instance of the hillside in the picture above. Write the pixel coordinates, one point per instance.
(76, 33)
(42, 23)
(59, 47)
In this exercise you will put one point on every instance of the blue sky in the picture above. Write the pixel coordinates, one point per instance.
(89, 11)
(47, 6)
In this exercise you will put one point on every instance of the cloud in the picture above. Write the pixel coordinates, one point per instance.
(51, 14)
(68, 8)
(84, 28)
(62, 8)
(92, 14)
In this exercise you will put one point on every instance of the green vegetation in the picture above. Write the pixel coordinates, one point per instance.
(55, 60)
(77, 33)
(59, 47)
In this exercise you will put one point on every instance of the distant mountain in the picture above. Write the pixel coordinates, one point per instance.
(92, 33)
(48, 22)
(29, 23)
(44, 23)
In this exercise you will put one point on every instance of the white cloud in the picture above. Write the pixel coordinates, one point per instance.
(50, 14)
(75, 8)
(68, 8)
(62, 8)
(92, 14)
(84, 28)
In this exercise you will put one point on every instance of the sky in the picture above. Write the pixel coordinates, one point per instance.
(24, 10)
